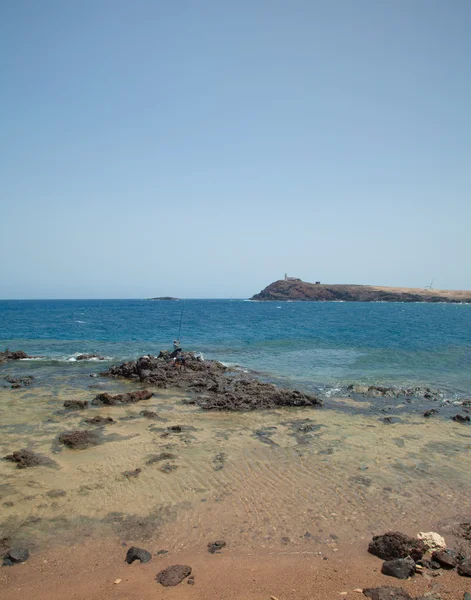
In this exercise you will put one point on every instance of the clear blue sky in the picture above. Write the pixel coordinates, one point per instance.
(203, 148)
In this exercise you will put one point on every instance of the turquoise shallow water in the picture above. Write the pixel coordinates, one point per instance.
(309, 344)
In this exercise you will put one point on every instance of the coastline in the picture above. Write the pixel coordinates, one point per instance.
(279, 484)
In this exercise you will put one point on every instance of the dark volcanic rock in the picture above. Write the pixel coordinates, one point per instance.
(17, 382)
(79, 439)
(461, 418)
(132, 474)
(467, 596)
(149, 414)
(139, 554)
(15, 556)
(27, 458)
(445, 558)
(217, 390)
(89, 357)
(431, 412)
(250, 394)
(464, 568)
(173, 575)
(129, 398)
(56, 493)
(15, 355)
(76, 404)
(168, 468)
(216, 546)
(99, 420)
(402, 568)
(218, 461)
(386, 592)
(155, 458)
(465, 531)
(394, 544)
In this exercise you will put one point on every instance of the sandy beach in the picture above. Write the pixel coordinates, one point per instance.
(296, 494)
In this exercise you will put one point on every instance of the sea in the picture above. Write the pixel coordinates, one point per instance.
(309, 345)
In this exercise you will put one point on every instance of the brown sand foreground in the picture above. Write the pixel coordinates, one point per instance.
(89, 571)
(285, 488)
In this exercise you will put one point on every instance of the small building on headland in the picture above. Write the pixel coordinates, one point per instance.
(291, 278)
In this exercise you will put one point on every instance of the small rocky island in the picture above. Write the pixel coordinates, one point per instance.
(165, 298)
(290, 288)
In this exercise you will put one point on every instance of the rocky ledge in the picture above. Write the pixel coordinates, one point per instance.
(214, 387)
(15, 355)
(284, 290)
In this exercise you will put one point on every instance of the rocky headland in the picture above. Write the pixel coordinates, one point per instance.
(284, 290)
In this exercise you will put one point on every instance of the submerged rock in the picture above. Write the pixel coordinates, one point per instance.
(89, 357)
(155, 458)
(386, 592)
(173, 575)
(76, 404)
(402, 568)
(461, 418)
(139, 554)
(15, 556)
(216, 547)
(149, 414)
(132, 474)
(99, 420)
(129, 398)
(431, 412)
(394, 544)
(79, 439)
(17, 382)
(377, 391)
(27, 458)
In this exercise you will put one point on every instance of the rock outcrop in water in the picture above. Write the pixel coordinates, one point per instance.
(283, 290)
(214, 388)
(129, 398)
(15, 355)
(27, 458)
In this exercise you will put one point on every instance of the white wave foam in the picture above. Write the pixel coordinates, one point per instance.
(80, 321)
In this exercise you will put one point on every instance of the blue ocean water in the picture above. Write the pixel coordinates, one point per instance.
(309, 344)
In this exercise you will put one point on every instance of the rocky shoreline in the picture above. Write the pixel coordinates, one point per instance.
(214, 387)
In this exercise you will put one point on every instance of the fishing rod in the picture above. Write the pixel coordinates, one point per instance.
(181, 319)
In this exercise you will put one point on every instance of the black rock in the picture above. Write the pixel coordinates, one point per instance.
(173, 575)
(445, 558)
(216, 546)
(137, 554)
(461, 418)
(15, 556)
(464, 568)
(431, 412)
(386, 592)
(402, 568)
(76, 404)
(394, 544)
(467, 596)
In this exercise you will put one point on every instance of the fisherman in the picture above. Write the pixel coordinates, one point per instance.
(177, 349)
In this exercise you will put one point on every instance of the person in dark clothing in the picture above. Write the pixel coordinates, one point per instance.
(177, 349)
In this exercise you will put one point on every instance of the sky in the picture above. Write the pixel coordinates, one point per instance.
(203, 148)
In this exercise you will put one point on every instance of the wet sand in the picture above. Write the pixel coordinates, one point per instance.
(285, 488)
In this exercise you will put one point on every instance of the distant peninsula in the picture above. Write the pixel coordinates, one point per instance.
(166, 298)
(291, 288)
